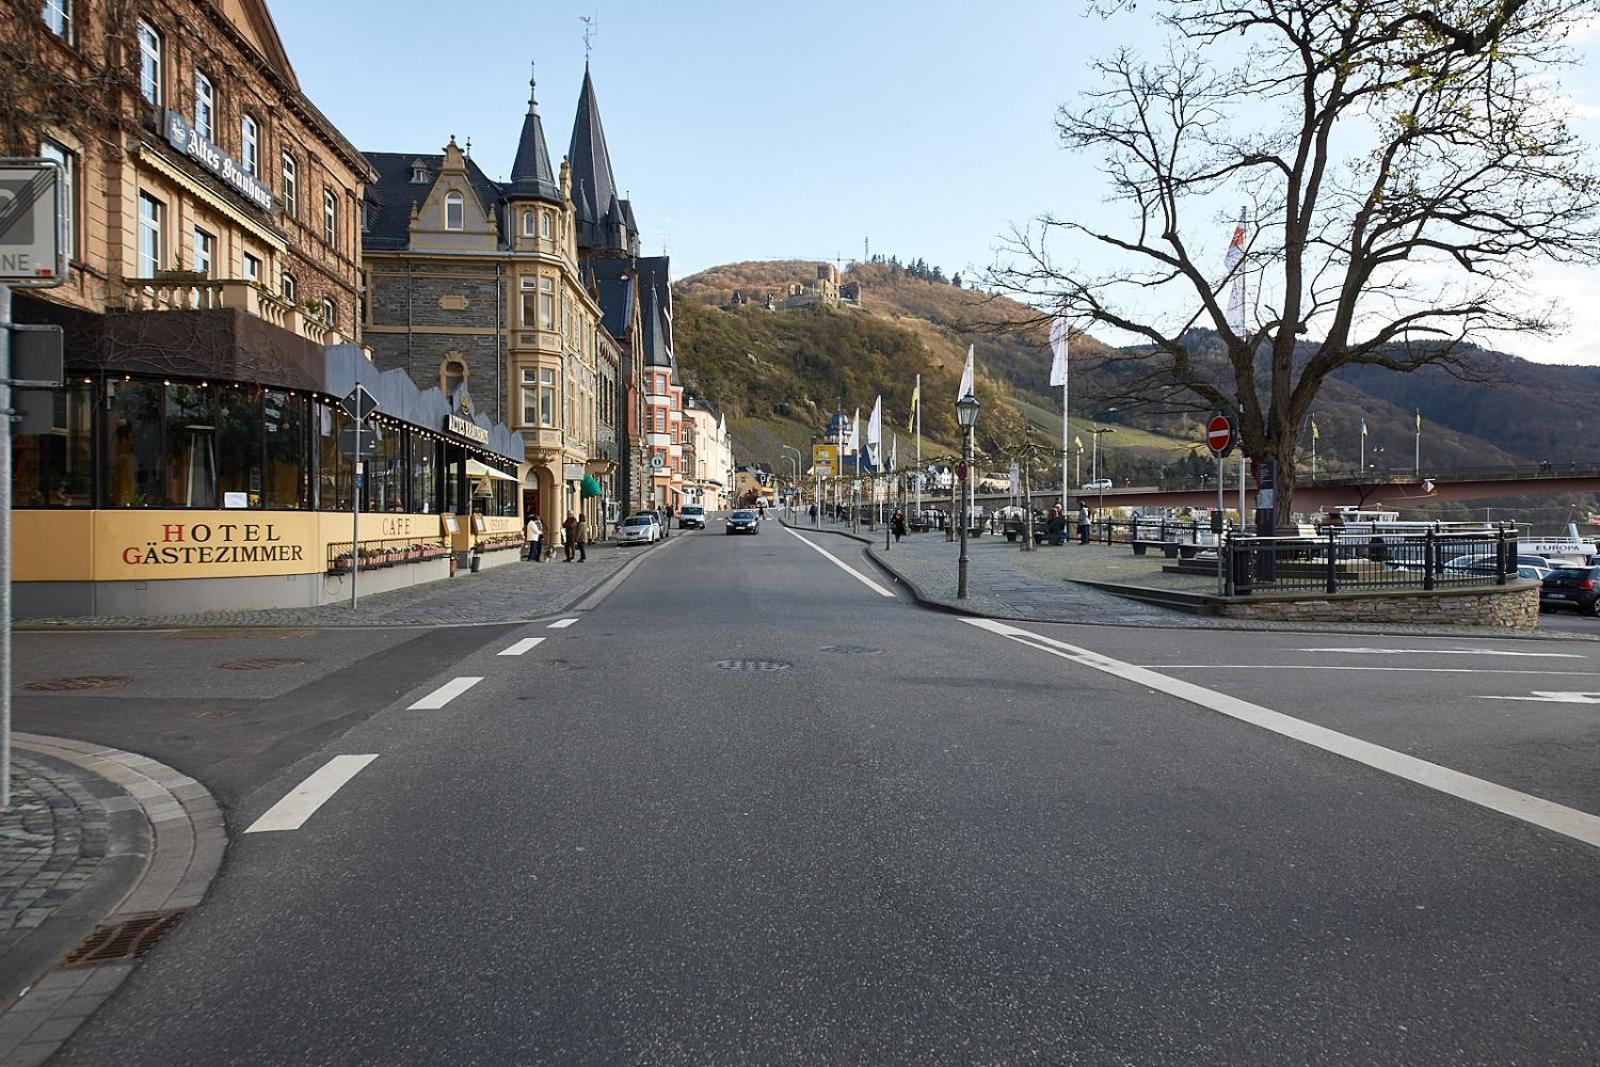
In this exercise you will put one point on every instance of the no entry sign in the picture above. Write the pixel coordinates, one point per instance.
(1220, 435)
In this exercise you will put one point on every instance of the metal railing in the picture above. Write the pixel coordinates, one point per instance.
(392, 552)
(1335, 561)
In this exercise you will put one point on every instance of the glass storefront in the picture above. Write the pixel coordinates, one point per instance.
(174, 444)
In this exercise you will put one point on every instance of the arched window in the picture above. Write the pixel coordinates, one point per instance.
(455, 211)
(544, 224)
(527, 224)
(452, 375)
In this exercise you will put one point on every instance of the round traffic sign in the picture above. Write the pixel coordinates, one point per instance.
(961, 470)
(1219, 434)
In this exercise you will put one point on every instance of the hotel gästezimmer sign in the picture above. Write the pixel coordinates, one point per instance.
(186, 139)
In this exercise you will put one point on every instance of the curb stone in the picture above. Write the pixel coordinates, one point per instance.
(164, 822)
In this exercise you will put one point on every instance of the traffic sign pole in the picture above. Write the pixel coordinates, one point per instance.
(5, 546)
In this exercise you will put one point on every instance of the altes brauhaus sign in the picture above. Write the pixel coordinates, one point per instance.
(187, 140)
(466, 428)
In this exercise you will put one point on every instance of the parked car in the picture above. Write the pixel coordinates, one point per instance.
(638, 530)
(744, 521)
(1098, 483)
(1571, 587)
(1485, 564)
(662, 528)
(691, 516)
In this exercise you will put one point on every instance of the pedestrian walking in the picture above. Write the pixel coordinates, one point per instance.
(897, 523)
(569, 534)
(1083, 523)
(533, 533)
(813, 514)
(580, 534)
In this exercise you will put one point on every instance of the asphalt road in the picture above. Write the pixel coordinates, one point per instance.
(916, 841)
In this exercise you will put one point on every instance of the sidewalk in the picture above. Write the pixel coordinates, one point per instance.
(101, 853)
(513, 592)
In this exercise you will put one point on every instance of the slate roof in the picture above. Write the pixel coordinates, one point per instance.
(391, 198)
(605, 221)
(531, 173)
(616, 304)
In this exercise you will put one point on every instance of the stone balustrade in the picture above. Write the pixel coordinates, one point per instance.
(191, 292)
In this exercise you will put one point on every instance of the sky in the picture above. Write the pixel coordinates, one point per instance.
(780, 130)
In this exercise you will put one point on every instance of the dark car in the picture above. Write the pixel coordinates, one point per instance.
(744, 521)
(1571, 587)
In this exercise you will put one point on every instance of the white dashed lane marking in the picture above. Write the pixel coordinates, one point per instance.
(519, 647)
(445, 694)
(562, 624)
(303, 800)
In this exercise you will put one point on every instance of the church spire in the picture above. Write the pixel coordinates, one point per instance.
(591, 170)
(531, 173)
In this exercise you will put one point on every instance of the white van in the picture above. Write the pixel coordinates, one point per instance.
(692, 516)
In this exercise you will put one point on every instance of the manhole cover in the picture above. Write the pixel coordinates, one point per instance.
(851, 650)
(266, 664)
(242, 634)
(73, 685)
(125, 940)
(753, 665)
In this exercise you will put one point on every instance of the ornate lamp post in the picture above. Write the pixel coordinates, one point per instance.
(967, 416)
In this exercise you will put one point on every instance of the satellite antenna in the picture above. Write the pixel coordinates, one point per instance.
(591, 27)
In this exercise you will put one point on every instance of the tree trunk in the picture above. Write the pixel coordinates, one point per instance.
(1282, 447)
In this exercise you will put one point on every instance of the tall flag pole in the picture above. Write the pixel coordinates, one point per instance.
(1058, 376)
(1236, 292)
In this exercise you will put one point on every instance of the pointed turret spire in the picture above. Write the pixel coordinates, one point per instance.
(531, 173)
(591, 172)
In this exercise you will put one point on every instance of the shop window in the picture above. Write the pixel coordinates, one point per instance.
(58, 18)
(190, 439)
(205, 107)
(56, 469)
(132, 442)
(150, 85)
(424, 474)
(238, 439)
(455, 211)
(250, 144)
(68, 162)
(333, 470)
(386, 481)
(285, 482)
(150, 212)
(455, 500)
(291, 186)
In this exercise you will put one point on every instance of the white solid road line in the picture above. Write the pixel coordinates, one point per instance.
(1346, 667)
(303, 800)
(1542, 697)
(1442, 652)
(519, 647)
(445, 694)
(1570, 822)
(561, 624)
(842, 565)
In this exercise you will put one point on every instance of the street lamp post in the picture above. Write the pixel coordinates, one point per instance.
(1094, 463)
(967, 416)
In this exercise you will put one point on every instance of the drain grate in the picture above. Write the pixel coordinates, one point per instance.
(851, 650)
(753, 665)
(240, 634)
(259, 664)
(126, 940)
(73, 685)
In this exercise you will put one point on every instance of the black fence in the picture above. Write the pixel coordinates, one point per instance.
(1341, 560)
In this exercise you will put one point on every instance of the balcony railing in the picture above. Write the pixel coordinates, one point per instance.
(181, 291)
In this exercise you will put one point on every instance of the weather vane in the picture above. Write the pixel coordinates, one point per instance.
(591, 26)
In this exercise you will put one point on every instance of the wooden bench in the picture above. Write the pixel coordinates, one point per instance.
(1170, 549)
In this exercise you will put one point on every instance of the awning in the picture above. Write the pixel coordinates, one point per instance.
(475, 469)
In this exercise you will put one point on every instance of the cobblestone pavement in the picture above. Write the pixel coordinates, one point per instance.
(512, 592)
(51, 840)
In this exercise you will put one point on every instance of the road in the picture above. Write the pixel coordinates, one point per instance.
(749, 805)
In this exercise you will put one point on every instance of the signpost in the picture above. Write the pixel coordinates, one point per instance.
(32, 254)
(360, 405)
(1221, 435)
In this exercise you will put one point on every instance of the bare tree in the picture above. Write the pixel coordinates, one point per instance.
(1402, 168)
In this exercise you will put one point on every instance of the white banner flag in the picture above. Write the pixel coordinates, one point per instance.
(1058, 345)
(875, 424)
(1236, 291)
(965, 388)
(855, 433)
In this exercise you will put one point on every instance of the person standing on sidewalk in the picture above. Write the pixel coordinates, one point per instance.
(897, 523)
(534, 535)
(569, 534)
(580, 534)
(1083, 522)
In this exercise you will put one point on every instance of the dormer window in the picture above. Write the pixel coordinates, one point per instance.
(419, 173)
(455, 211)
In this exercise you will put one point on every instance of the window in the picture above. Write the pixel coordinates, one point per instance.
(205, 250)
(149, 235)
(205, 107)
(330, 313)
(250, 143)
(547, 304)
(252, 267)
(132, 444)
(455, 211)
(547, 397)
(290, 289)
(238, 439)
(527, 224)
(364, 226)
(424, 462)
(330, 219)
(528, 289)
(291, 186)
(69, 191)
(530, 397)
(286, 477)
(452, 376)
(191, 447)
(149, 64)
(544, 224)
(58, 18)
